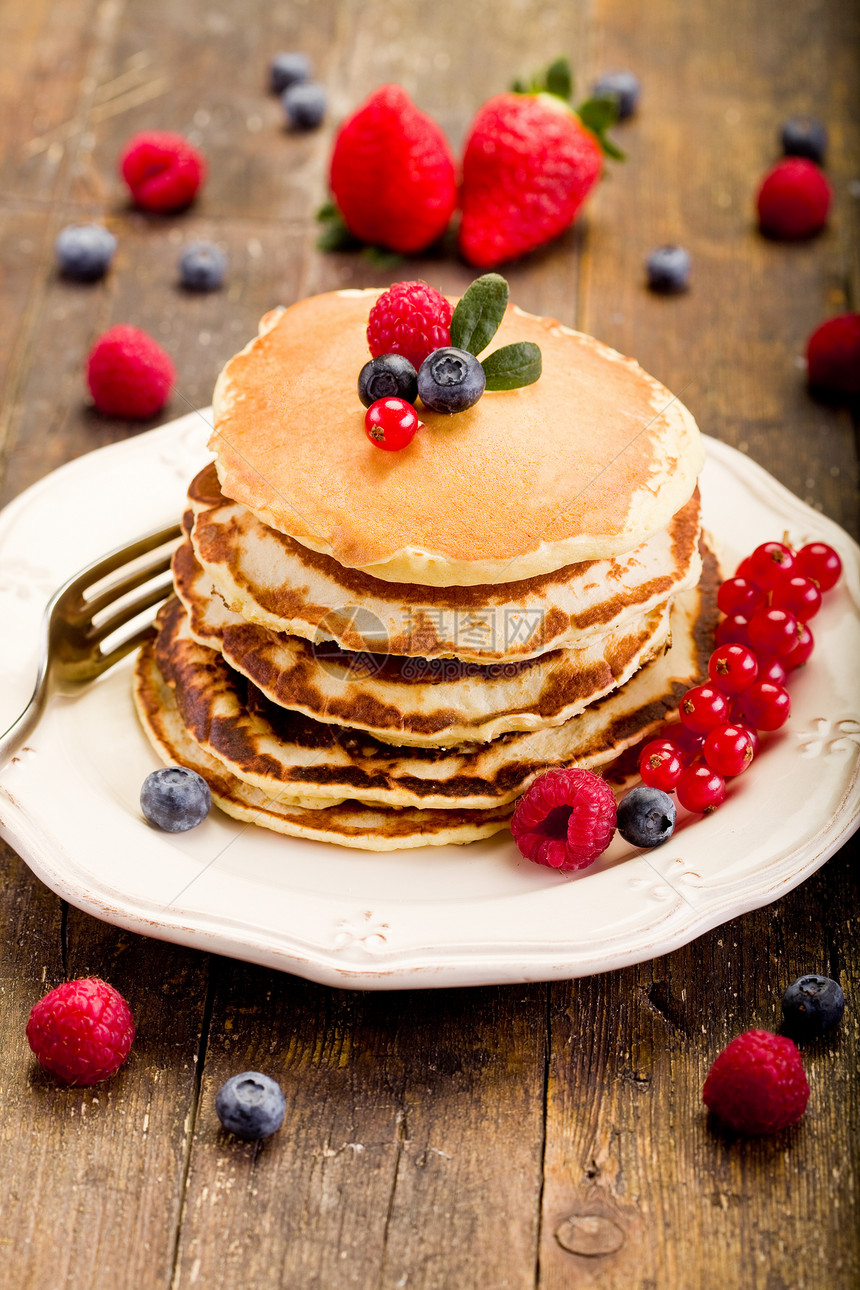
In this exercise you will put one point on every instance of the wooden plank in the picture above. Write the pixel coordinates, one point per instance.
(93, 1178)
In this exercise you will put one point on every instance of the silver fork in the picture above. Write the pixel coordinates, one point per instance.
(70, 643)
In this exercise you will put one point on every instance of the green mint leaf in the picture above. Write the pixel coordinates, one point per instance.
(479, 313)
(512, 366)
(558, 79)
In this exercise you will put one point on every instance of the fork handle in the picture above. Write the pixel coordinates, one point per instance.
(20, 728)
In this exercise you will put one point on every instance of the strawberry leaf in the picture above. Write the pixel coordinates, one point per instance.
(559, 80)
(512, 366)
(597, 115)
(334, 234)
(479, 313)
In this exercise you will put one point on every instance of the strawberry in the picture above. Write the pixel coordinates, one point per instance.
(529, 163)
(392, 174)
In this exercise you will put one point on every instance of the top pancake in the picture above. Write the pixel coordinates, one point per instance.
(589, 462)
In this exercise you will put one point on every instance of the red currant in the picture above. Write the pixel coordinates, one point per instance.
(743, 570)
(683, 741)
(802, 650)
(703, 708)
(729, 750)
(701, 789)
(763, 705)
(661, 769)
(752, 732)
(391, 424)
(732, 667)
(773, 670)
(732, 630)
(773, 632)
(799, 595)
(770, 563)
(819, 562)
(740, 596)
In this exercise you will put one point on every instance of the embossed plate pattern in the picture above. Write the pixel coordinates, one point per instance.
(437, 916)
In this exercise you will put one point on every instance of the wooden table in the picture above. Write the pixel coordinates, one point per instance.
(514, 1136)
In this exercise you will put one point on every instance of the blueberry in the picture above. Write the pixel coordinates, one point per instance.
(804, 136)
(84, 251)
(202, 266)
(811, 1006)
(304, 104)
(646, 816)
(250, 1105)
(450, 380)
(389, 376)
(668, 269)
(624, 87)
(287, 69)
(175, 798)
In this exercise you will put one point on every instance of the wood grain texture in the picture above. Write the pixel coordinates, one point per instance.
(533, 1137)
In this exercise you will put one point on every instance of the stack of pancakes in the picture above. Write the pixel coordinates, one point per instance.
(384, 650)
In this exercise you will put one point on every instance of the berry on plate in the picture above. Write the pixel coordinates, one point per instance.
(410, 318)
(729, 750)
(701, 789)
(250, 1105)
(833, 356)
(392, 174)
(129, 374)
(391, 424)
(804, 136)
(174, 799)
(450, 380)
(769, 563)
(82, 1031)
(163, 170)
(757, 1084)
(794, 200)
(668, 269)
(304, 105)
(289, 68)
(202, 266)
(623, 87)
(732, 667)
(820, 562)
(646, 816)
(811, 1006)
(660, 765)
(385, 377)
(84, 251)
(565, 820)
(703, 708)
(762, 705)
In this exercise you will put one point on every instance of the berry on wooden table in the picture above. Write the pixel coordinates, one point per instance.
(623, 87)
(668, 269)
(82, 1031)
(84, 251)
(202, 266)
(811, 1006)
(804, 136)
(290, 67)
(757, 1083)
(304, 105)
(250, 1105)
(163, 170)
(129, 374)
(793, 200)
(833, 356)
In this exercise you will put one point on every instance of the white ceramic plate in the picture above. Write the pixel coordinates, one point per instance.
(432, 917)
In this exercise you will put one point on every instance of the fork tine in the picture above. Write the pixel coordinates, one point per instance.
(115, 559)
(87, 609)
(124, 647)
(153, 596)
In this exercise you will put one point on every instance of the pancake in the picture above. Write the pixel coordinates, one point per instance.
(415, 701)
(284, 752)
(589, 462)
(274, 581)
(348, 824)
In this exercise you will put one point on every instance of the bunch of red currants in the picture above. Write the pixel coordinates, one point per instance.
(764, 636)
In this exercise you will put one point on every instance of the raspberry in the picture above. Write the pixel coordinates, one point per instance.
(411, 319)
(757, 1084)
(565, 820)
(163, 170)
(793, 200)
(833, 355)
(82, 1031)
(129, 374)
